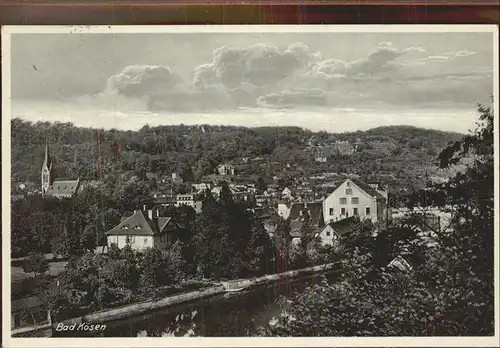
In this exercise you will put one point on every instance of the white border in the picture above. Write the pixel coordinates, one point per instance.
(8, 341)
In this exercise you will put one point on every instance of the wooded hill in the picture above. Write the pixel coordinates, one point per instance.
(195, 151)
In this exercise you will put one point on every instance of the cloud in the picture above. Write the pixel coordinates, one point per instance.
(258, 65)
(286, 77)
(144, 80)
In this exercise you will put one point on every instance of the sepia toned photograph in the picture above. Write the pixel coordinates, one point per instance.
(243, 182)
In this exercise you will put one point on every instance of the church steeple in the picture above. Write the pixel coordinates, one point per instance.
(46, 170)
(47, 161)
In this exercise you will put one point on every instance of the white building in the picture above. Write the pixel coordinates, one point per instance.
(286, 193)
(333, 232)
(189, 200)
(142, 230)
(201, 187)
(176, 178)
(225, 169)
(355, 198)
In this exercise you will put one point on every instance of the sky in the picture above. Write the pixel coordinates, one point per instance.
(321, 81)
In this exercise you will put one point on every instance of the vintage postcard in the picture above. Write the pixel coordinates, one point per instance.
(250, 186)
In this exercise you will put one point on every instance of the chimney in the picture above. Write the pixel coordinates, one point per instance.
(150, 214)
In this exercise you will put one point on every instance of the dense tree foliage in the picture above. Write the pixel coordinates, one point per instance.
(35, 263)
(153, 153)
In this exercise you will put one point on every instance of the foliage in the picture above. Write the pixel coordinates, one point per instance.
(224, 231)
(35, 263)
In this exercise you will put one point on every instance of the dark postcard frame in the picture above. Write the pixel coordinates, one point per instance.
(150, 12)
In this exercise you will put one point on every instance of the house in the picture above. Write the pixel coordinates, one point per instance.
(165, 201)
(286, 193)
(400, 264)
(354, 197)
(344, 148)
(176, 178)
(142, 230)
(325, 152)
(201, 187)
(216, 191)
(296, 213)
(185, 199)
(261, 200)
(237, 192)
(56, 188)
(333, 232)
(189, 200)
(225, 169)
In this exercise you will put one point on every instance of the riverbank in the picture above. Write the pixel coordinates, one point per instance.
(224, 287)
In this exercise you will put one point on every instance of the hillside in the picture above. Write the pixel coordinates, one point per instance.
(195, 151)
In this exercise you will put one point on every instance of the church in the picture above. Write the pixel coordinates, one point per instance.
(56, 188)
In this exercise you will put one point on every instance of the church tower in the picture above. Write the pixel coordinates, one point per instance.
(46, 170)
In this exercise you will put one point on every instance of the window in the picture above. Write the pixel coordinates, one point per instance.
(343, 200)
(367, 211)
(331, 211)
(354, 200)
(342, 211)
(355, 211)
(328, 233)
(348, 191)
(146, 240)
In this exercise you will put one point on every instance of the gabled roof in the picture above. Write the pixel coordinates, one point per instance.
(140, 225)
(401, 264)
(63, 187)
(367, 188)
(344, 226)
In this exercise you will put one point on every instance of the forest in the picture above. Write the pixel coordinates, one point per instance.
(195, 151)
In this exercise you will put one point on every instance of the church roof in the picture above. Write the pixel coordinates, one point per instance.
(139, 225)
(63, 187)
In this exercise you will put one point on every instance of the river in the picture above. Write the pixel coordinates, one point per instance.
(243, 313)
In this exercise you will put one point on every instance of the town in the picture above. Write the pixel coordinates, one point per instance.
(147, 235)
